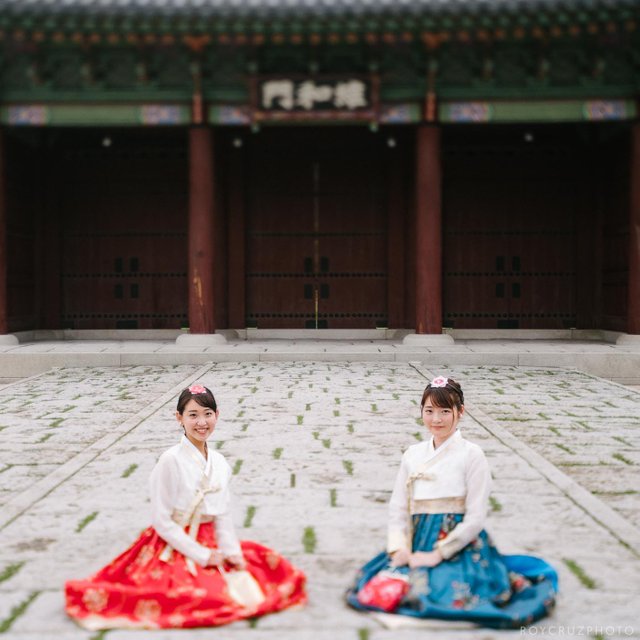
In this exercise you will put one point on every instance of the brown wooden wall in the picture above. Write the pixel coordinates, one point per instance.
(514, 213)
(23, 183)
(317, 229)
(612, 179)
(122, 218)
(535, 234)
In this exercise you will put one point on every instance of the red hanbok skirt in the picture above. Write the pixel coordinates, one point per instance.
(138, 590)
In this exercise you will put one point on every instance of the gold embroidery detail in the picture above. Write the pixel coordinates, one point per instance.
(148, 609)
(95, 599)
(273, 560)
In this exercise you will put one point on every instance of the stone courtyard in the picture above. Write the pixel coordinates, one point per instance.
(314, 448)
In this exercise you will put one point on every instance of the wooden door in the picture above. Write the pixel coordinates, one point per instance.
(317, 254)
(123, 212)
(509, 212)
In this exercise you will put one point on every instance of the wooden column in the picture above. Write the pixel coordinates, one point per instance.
(4, 323)
(201, 230)
(428, 231)
(633, 292)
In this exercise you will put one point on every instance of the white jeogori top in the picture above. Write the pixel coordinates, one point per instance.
(177, 477)
(456, 473)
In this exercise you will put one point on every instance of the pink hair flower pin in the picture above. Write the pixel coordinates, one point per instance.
(439, 382)
(196, 389)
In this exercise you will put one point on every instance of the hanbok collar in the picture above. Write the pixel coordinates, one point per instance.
(432, 452)
(193, 452)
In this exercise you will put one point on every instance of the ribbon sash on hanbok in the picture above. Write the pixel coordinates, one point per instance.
(193, 515)
(243, 587)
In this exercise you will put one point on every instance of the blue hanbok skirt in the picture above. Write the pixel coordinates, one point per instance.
(477, 584)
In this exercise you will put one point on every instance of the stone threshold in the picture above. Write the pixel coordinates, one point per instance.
(250, 334)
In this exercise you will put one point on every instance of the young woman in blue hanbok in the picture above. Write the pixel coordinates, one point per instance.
(440, 562)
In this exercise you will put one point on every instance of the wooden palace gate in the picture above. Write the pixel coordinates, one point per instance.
(510, 204)
(316, 229)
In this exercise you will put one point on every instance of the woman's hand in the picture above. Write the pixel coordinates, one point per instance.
(400, 558)
(237, 561)
(425, 559)
(215, 558)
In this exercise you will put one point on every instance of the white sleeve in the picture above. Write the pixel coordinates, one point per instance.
(164, 483)
(398, 527)
(478, 484)
(225, 531)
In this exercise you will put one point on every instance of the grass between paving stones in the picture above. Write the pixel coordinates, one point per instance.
(219, 444)
(57, 422)
(9, 466)
(348, 466)
(300, 419)
(129, 470)
(326, 443)
(277, 453)
(292, 480)
(363, 633)
(495, 505)
(580, 573)
(554, 430)
(350, 427)
(622, 440)
(564, 448)
(100, 635)
(17, 611)
(333, 497)
(251, 511)
(628, 492)
(417, 435)
(315, 434)
(309, 540)
(619, 456)
(10, 570)
(237, 466)
(85, 521)
(45, 437)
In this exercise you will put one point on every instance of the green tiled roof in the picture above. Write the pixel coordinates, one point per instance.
(299, 8)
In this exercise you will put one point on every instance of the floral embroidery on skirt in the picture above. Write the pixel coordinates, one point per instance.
(138, 590)
(478, 584)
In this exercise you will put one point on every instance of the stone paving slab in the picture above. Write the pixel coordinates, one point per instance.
(315, 447)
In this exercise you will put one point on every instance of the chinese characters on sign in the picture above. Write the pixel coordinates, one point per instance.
(295, 96)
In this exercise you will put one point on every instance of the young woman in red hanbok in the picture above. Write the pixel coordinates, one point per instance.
(188, 569)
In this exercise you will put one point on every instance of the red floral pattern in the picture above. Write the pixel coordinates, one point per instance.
(138, 590)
